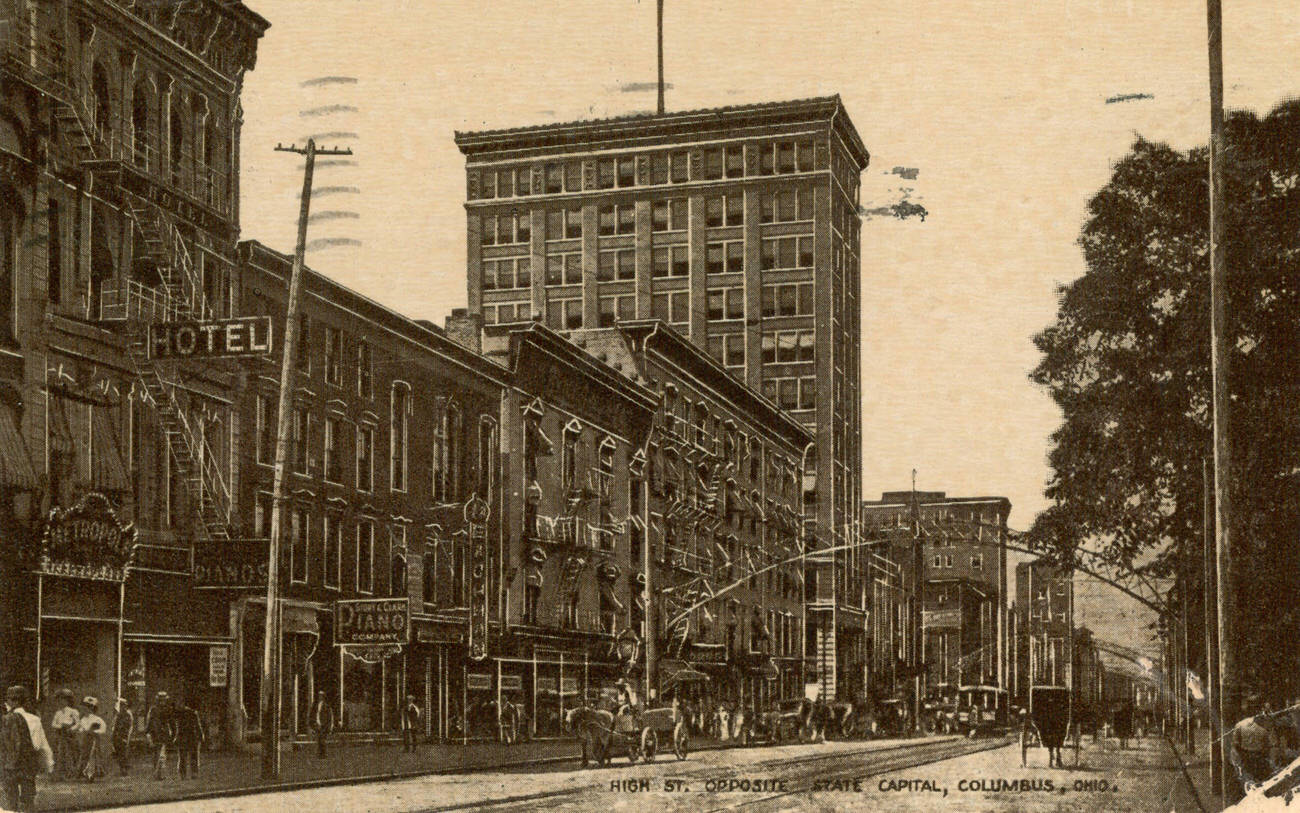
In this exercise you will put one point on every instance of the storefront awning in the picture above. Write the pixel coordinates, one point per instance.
(15, 463)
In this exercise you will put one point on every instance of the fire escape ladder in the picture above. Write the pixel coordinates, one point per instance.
(164, 245)
(190, 451)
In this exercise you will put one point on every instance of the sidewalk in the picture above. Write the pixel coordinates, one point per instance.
(233, 771)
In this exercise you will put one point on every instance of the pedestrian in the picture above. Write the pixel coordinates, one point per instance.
(322, 722)
(410, 724)
(123, 725)
(160, 731)
(1249, 743)
(90, 732)
(24, 752)
(189, 738)
(64, 725)
(1123, 724)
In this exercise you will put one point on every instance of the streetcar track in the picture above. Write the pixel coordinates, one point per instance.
(933, 752)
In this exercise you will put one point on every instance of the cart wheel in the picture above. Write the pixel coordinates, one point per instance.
(649, 744)
(681, 741)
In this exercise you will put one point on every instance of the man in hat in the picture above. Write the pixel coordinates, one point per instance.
(322, 722)
(188, 726)
(123, 724)
(1250, 741)
(64, 725)
(160, 731)
(90, 731)
(410, 724)
(24, 752)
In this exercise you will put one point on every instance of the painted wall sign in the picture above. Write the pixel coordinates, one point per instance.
(478, 682)
(218, 666)
(231, 565)
(87, 541)
(213, 338)
(372, 621)
(476, 517)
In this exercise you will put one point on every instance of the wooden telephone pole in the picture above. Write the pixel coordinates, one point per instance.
(661, 56)
(271, 688)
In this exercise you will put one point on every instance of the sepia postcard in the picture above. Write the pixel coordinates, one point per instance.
(764, 405)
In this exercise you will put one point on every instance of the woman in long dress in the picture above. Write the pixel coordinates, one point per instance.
(91, 730)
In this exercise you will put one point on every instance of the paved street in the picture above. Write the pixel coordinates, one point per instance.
(943, 773)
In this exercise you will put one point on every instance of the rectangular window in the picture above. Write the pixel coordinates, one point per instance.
(671, 308)
(766, 159)
(726, 303)
(523, 181)
(304, 345)
(365, 458)
(735, 161)
(626, 219)
(505, 183)
(333, 444)
(400, 408)
(365, 556)
(488, 230)
(805, 156)
(53, 254)
(605, 218)
(680, 167)
(262, 516)
(668, 215)
(334, 356)
(785, 157)
(265, 438)
(728, 349)
(573, 176)
(786, 252)
(299, 545)
(713, 163)
(605, 173)
(365, 387)
(659, 168)
(713, 211)
(301, 439)
(523, 227)
(333, 550)
(554, 179)
(573, 314)
(626, 171)
(735, 214)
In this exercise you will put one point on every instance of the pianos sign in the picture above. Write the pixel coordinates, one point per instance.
(372, 621)
(212, 338)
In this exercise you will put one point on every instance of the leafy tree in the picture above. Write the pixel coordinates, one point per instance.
(1128, 362)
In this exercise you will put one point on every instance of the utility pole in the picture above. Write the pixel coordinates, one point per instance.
(1229, 673)
(918, 585)
(271, 689)
(661, 56)
(1189, 732)
(1211, 639)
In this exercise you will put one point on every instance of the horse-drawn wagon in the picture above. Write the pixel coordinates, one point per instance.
(1050, 718)
(630, 730)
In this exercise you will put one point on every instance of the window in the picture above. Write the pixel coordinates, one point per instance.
(523, 181)
(787, 252)
(725, 258)
(262, 516)
(365, 387)
(507, 274)
(265, 439)
(947, 560)
(728, 349)
(724, 210)
(785, 156)
(794, 393)
(713, 164)
(532, 595)
(333, 550)
(787, 346)
(626, 171)
(605, 173)
(564, 314)
(680, 167)
(726, 303)
(564, 269)
(365, 556)
(569, 457)
(805, 153)
(786, 206)
(789, 299)
(564, 224)
(735, 161)
(573, 176)
(673, 308)
(507, 229)
(333, 444)
(334, 356)
(616, 308)
(570, 619)
(554, 179)
(611, 265)
(447, 452)
(397, 586)
(503, 181)
(977, 562)
(304, 345)
(659, 168)
(301, 439)
(487, 448)
(53, 254)
(299, 545)
(365, 458)
(399, 410)
(670, 261)
(938, 560)
(669, 215)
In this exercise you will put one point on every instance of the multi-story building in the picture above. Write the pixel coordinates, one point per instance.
(738, 226)
(394, 437)
(573, 476)
(964, 564)
(119, 189)
(1044, 603)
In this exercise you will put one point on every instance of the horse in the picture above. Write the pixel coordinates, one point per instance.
(812, 720)
(594, 728)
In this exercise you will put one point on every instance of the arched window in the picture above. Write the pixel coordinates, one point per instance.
(569, 456)
(10, 220)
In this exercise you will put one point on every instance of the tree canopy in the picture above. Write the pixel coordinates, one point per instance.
(1127, 360)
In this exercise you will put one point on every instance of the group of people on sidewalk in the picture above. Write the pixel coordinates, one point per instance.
(78, 750)
(323, 724)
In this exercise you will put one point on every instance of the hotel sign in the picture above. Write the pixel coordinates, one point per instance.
(211, 338)
(372, 621)
(476, 517)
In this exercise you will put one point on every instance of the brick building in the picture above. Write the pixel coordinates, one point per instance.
(738, 226)
(119, 189)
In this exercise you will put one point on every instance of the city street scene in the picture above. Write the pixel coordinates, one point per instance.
(649, 405)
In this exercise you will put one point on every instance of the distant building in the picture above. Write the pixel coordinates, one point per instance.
(1043, 606)
(963, 560)
(738, 226)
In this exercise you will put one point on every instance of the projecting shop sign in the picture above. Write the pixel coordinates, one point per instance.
(372, 621)
(212, 338)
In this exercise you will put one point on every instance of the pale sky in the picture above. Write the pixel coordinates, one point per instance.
(1001, 106)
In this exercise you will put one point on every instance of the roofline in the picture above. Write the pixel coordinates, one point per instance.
(433, 339)
(819, 108)
(587, 363)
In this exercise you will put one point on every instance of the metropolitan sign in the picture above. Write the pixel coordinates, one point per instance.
(372, 621)
(211, 338)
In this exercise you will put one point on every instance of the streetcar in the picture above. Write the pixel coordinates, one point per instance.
(981, 710)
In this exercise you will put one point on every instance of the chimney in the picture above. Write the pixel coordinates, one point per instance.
(466, 329)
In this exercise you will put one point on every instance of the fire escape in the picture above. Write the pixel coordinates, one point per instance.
(35, 57)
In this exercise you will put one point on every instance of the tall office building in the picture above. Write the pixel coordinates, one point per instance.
(739, 227)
